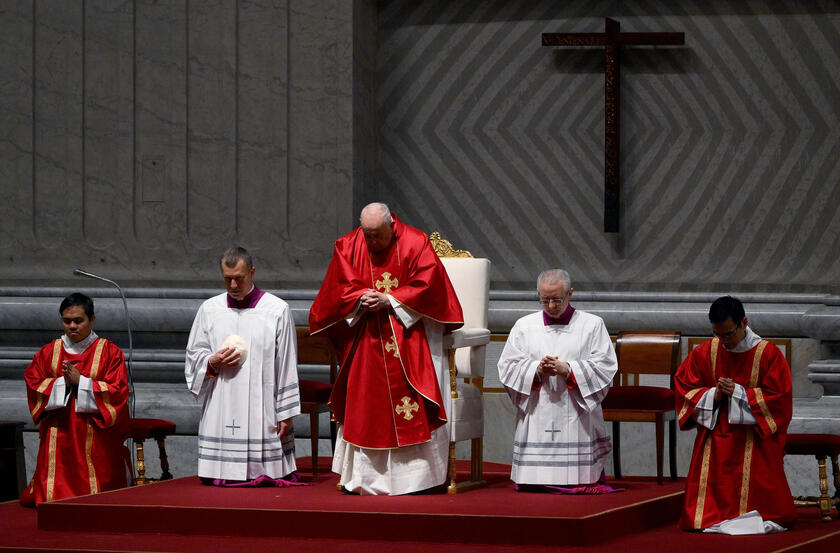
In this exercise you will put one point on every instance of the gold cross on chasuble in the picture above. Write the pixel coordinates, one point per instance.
(392, 346)
(407, 408)
(386, 284)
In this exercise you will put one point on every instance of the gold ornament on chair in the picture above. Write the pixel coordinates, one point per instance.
(443, 248)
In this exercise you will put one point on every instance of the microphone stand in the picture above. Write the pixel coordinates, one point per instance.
(79, 272)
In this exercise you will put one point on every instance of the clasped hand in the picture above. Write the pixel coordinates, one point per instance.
(71, 374)
(371, 300)
(225, 358)
(550, 366)
(725, 386)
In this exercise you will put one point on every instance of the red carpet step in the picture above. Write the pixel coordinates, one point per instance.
(495, 514)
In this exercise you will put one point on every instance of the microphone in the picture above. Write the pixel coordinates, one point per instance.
(80, 272)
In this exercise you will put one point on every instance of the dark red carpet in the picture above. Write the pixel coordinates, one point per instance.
(183, 515)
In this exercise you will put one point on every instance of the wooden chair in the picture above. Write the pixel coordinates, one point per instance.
(639, 353)
(820, 446)
(140, 430)
(314, 394)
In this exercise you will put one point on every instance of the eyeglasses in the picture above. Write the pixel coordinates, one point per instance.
(556, 301)
(728, 334)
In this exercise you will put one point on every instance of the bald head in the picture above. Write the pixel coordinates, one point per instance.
(377, 226)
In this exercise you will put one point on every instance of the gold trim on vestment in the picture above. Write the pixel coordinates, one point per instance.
(704, 481)
(745, 472)
(41, 395)
(771, 422)
(47, 381)
(756, 361)
(686, 401)
(714, 352)
(106, 399)
(94, 367)
(51, 439)
(94, 487)
(56, 354)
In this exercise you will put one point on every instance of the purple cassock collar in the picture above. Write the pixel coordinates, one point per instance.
(563, 319)
(248, 302)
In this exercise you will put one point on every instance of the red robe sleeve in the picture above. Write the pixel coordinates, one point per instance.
(110, 387)
(771, 400)
(40, 376)
(342, 285)
(691, 381)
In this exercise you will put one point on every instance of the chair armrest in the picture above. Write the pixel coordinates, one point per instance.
(466, 337)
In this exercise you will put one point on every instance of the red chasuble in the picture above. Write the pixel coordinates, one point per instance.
(736, 468)
(386, 394)
(80, 453)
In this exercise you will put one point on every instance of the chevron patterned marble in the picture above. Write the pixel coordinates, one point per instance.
(730, 144)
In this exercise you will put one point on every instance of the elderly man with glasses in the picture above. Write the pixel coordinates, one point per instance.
(557, 366)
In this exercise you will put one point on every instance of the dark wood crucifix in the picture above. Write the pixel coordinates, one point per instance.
(611, 40)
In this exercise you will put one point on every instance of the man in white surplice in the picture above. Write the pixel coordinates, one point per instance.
(241, 363)
(557, 366)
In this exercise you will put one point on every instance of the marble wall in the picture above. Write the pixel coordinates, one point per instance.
(141, 138)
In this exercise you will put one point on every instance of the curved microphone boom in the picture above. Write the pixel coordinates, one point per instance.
(79, 272)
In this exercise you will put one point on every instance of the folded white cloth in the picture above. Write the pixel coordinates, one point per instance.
(748, 523)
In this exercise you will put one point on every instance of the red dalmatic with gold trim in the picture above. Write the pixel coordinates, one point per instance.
(737, 468)
(386, 394)
(80, 453)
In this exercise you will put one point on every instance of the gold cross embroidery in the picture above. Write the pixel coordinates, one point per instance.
(392, 346)
(386, 283)
(407, 407)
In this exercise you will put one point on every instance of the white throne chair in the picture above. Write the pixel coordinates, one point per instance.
(466, 348)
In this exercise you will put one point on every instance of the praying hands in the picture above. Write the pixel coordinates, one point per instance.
(725, 386)
(550, 366)
(71, 374)
(371, 300)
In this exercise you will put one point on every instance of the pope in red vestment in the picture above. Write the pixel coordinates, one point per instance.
(81, 450)
(386, 394)
(737, 462)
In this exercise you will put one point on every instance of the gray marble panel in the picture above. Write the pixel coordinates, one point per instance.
(16, 130)
(320, 49)
(108, 123)
(57, 108)
(263, 124)
(159, 218)
(212, 187)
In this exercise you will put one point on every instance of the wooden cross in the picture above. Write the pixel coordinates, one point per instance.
(612, 40)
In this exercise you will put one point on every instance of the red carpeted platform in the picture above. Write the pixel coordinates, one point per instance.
(184, 516)
(494, 514)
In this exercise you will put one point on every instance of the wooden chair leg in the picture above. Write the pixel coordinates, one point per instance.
(660, 447)
(672, 448)
(824, 501)
(313, 440)
(477, 464)
(453, 471)
(141, 463)
(164, 460)
(616, 425)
